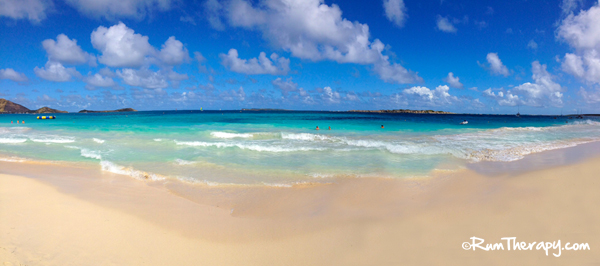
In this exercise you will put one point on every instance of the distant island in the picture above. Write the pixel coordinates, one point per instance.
(263, 109)
(8, 107)
(109, 111)
(401, 111)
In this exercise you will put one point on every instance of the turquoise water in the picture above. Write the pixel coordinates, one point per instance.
(283, 148)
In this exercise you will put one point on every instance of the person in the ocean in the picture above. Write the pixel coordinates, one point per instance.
(381, 126)
(317, 128)
(329, 127)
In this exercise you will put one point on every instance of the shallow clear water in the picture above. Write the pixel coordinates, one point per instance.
(282, 148)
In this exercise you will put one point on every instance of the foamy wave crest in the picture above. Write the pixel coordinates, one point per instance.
(227, 135)
(157, 140)
(8, 130)
(91, 154)
(52, 139)
(87, 153)
(243, 146)
(183, 162)
(98, 140)
(12, 159)
(12, 140)
(520, 152)
(305, 136)
(128, 171)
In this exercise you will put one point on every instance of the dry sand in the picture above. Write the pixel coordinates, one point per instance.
(51, 215)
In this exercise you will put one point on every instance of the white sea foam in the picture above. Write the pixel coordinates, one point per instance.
(12, 159)
(91, 154)
(157, 140)
(227, 135)
(98, 140)
(305, 136)
(12, 140)
(128, 171)
(249, 146)
(52, 139)
(183, 162)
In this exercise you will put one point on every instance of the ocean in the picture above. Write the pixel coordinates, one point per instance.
(282, 148)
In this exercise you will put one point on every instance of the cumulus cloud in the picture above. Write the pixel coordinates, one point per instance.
(66, 51)
(286, 86)
(121, 46)
(568, 6)
(33, 10)
(9, 73)
(113, 9)
(262, 65)
(143, 78)
(55, 71)
(148, 79)
(532, 45)
(590, 96)
(395, 11)
(582, 32)
(313, 30)
(97, 80)
(444, 24)
(453, 81)
(424, 96)
(495, 65)
(173, 52)
(542, 92)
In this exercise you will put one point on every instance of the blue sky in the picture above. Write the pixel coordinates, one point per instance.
(539, 57)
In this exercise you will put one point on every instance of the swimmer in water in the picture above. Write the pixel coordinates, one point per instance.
(381, 126)
(329, 128)
(17, 121)
(317, 128)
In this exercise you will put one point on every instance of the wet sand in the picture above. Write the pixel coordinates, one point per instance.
(55, 215)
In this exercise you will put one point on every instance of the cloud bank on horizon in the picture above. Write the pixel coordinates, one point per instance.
(301, 54)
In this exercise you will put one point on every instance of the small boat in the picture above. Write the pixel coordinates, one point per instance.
(46, 117)
(518, 114)
(464, 122)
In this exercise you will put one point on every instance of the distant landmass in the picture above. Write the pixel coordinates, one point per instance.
(263, 109)
(401, 111)
(9, 107)
(109, 111)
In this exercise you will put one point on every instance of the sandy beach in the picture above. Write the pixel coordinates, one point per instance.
(56, 215)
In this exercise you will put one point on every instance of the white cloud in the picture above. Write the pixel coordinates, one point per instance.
(453, 81)
(121, 46)
(330, 96)
(445, 25)
(313, 30)
(255, 66)
(55, 71)
(504, 99)
(98, 80)
(148, 79)
(286, 86)
(173, 52)
(568, 6)
(113, 9)
(66, 51)
(532, 45)
(9, 73)
(543, 92)
(495, 65)
(34, 10)
(213, 10)
(592, 96)
(395, 11)
(143, 78)
(424, 96)
(582, 32)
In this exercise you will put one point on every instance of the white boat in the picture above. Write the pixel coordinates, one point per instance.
(464, 122)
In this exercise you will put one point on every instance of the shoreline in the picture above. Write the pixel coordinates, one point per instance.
(86, 216)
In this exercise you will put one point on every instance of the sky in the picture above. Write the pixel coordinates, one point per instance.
(498, 57)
